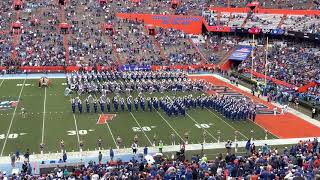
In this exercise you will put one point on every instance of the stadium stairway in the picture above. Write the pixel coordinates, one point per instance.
(225, 64)
(16, 38)
(245, 21)
(66, 46)
(162, 55)
(114, 50)
(15, 42)
(195, 47)
(310, 4)
(284, 17)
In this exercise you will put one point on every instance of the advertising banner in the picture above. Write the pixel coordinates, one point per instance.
(241, 53)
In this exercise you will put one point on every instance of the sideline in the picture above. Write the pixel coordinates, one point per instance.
(128, 151)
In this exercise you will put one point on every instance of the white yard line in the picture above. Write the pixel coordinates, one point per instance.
(1, 82)
(170, 126)
(114, 140)
(141, 128)
(228, 124)
(13, 115)
(76, 125)
(44, 113)
(202, 127)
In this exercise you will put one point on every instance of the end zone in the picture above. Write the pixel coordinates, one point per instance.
(286, 125)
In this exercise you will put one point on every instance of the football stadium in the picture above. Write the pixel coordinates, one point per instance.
(152, 89)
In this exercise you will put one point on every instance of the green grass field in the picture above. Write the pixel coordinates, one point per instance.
(49, 119)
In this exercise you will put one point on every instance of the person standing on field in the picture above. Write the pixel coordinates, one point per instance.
(111, 153)
(13, 160)
(134, 148)
(100, 157)
(160, 146)
(173, 139)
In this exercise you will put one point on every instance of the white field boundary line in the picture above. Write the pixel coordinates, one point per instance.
(13, 115)
(211, 112)
(170, 126)
(126, 151)
(1, 82)
(44, 114)
(114, 140)
(141, 128)
(199, 123)
(76, 126)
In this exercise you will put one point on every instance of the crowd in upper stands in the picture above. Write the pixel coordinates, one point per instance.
(41, 43)
(301, 160)
(177, 47)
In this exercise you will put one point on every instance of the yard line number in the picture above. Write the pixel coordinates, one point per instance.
(205, 126)
(25, 85)
(81, 132)
(144, 128)
(11, 136)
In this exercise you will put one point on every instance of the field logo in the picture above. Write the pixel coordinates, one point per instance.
(103, 118)
(4, 105)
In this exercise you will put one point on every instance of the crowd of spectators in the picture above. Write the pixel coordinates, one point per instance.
(37, 45)
(177, 47)
(300, 23)
(216, 47)
(297, 23)
(312, 95)
(263, 21)
(42, 44)
(295, 63)
(301, 160)
(134, 45)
